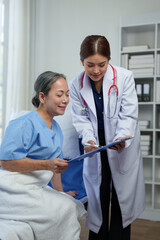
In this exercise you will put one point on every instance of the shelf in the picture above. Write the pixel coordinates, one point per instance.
(146, 130)
(158, 40)
(139, 35)
(148, 181)
(147, 77)
(140, 53)
(157, 183)
(157, 197)
(146, 155)
(148, 189)
(158, 143)
(146, 112)
(146, 103)
(157, 118)
(147, 166)
(137, 52)
(157, 170)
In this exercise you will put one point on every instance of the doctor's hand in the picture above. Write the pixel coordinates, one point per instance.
(57, 165)
(121, 145)
(91, 146)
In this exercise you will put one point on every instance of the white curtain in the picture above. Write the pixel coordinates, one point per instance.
(0, 19)
(19, 56)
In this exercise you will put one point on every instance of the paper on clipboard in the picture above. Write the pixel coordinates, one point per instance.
(98, 150)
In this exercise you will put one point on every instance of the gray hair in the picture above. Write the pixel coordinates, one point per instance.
(43, 84)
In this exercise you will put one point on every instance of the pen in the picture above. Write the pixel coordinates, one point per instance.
(88, 144)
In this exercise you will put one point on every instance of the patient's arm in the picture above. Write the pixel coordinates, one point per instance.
(56, 165)
(56, 182)
(23, 165)
(57, 185)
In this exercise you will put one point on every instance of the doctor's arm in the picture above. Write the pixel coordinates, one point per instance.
(26, 164)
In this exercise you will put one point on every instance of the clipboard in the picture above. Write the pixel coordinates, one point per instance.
(97, 150)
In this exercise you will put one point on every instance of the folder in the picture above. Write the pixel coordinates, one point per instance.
(146, 92)
(139, 91)
(97, 150)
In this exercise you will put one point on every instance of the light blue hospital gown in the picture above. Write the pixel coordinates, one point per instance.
(26, 197)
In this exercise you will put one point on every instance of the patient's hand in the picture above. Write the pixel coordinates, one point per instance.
(72, 193)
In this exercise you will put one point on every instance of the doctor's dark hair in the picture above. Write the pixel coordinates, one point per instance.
(95, 44)
(43, 84)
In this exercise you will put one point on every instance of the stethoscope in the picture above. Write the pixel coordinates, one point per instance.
(109, 92)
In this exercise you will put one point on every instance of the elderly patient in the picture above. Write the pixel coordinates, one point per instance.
(31, 156)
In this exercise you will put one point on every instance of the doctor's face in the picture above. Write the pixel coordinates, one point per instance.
(95, 66)
(57, 99)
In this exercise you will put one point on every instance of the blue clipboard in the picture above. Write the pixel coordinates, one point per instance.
(98, 150)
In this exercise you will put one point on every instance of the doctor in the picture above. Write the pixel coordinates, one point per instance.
(105, 109)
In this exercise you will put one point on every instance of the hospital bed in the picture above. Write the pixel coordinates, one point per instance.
(72, 179)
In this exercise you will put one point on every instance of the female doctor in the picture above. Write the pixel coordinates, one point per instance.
(105, 109)
(31, 156)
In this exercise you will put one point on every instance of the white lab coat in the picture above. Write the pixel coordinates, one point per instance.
(126, 165)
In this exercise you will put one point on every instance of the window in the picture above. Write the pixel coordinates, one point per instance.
(2, 19)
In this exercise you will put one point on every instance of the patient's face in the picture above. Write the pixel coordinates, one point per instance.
(58, 97)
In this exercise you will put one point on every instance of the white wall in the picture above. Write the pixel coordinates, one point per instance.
(63, 24)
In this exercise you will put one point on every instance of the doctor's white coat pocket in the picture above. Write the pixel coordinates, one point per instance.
(90, 167)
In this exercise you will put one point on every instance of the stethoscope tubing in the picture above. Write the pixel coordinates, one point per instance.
(109, 91)
(113, 85)
(114, 82)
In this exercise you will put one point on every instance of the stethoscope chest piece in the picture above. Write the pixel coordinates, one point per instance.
(84, 109)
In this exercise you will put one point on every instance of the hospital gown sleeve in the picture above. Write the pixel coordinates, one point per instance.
(18, 138)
